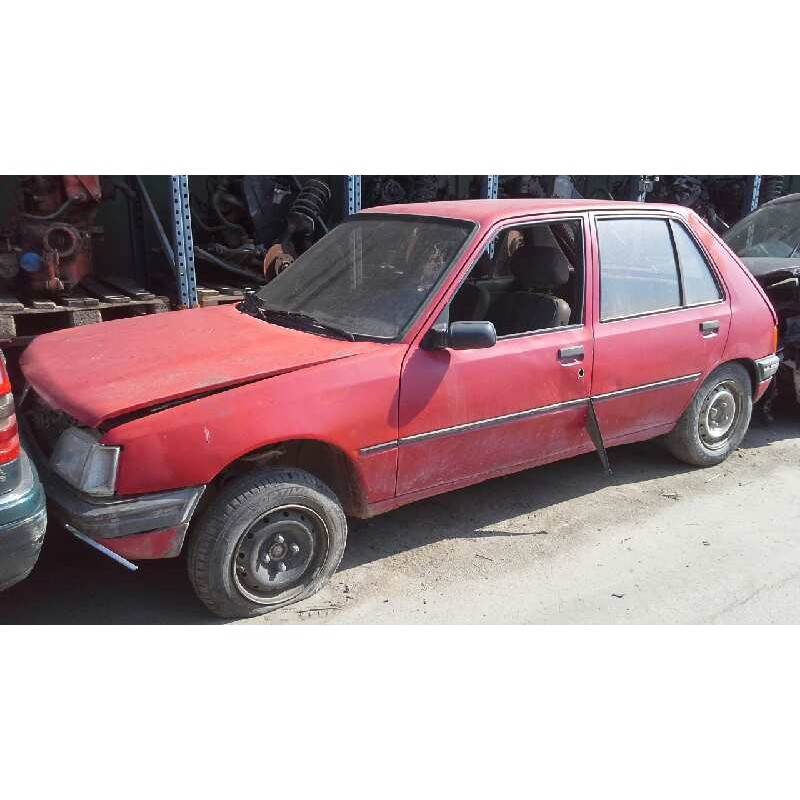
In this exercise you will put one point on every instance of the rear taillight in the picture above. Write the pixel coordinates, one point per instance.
(9, 433)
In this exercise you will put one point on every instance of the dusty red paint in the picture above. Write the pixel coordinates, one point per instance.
(140, 546)
(286, 384)
(133, 363)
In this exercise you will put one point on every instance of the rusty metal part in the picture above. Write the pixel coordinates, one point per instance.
(61, 238)
(50, 280)
(276, 260)
(55, 222)
(82, 188)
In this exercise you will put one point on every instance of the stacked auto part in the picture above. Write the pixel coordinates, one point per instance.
(53, 231)
(254, 226)
(382, 190)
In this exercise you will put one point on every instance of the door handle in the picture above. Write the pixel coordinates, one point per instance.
(710, 326)
(570, 352)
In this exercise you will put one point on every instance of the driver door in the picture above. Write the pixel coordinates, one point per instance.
(470, 414)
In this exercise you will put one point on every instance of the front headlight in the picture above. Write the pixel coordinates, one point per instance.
(85, 463)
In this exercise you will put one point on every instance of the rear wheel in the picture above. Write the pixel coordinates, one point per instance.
(715, 422)
(270, 538)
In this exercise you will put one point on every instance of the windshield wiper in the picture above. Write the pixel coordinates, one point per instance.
(254, 305)
(306, 321)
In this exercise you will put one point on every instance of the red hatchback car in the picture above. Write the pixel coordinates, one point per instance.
(415, 349)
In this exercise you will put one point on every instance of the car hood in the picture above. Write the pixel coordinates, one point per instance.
(98, 372)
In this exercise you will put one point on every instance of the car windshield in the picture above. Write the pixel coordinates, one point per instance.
(370, 275)
(773, 231)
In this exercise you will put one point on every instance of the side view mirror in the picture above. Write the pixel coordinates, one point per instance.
(461, 336)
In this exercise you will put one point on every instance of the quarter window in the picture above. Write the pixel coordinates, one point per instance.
(699, 285)
(638, 273)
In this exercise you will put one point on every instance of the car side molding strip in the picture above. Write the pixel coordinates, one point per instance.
(517, 415)
(646, 386)
(484, 423)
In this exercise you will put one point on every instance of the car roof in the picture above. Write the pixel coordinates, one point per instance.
(488, 212)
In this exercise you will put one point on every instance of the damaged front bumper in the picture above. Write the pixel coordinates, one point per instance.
(140, 527)
(147, 526)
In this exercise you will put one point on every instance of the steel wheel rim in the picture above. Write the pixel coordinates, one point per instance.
(720, 415)
(278, 553)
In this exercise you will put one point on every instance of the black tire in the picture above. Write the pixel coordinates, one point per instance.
(692, 439)
(237, 566)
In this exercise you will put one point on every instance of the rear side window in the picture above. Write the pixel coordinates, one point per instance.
(638, 273)
(699, 285)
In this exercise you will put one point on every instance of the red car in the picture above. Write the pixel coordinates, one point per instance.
(415, 349)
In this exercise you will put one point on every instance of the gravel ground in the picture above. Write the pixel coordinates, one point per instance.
(657, 542)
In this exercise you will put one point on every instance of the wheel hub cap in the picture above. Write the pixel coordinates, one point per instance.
(718, 416)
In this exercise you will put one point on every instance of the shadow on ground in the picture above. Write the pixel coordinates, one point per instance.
(73, 584)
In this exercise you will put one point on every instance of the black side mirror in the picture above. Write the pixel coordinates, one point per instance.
(461, 336)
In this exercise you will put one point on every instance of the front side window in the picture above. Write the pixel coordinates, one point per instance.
(699, 285)
(529, 278)
(638, 273)
(369, 276)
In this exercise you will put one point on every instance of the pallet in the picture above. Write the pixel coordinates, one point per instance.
(93, 300)
(221, 294)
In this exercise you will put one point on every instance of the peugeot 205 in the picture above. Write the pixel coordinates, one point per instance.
(413, 350)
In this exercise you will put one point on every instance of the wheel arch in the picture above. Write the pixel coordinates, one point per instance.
(323, 460)
(750, 366)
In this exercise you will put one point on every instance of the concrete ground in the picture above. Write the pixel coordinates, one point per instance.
(658, 542)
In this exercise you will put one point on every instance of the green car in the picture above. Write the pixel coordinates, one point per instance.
(23, 516)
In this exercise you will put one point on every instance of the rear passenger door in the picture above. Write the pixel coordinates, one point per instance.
(662, 322)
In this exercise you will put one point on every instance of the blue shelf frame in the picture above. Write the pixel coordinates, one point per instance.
(182, 241)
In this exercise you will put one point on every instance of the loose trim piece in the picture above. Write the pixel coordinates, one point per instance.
(378, 448)
(517, 415)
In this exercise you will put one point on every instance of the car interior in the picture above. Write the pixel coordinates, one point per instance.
(529, 278)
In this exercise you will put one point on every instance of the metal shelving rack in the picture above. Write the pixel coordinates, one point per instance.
(183, 243)
(353, 194)
(491, 187)
(182, 223)
(756, 192)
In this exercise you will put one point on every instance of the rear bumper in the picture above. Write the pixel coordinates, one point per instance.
(767, 367)
(23, 520)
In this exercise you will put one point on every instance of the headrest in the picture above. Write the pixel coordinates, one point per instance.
(536, 266)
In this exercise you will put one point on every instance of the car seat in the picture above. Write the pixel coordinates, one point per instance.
(471, 302)
(538, 270)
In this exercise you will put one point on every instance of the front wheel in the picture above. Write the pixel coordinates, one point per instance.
(271, 538)
(715, 422)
